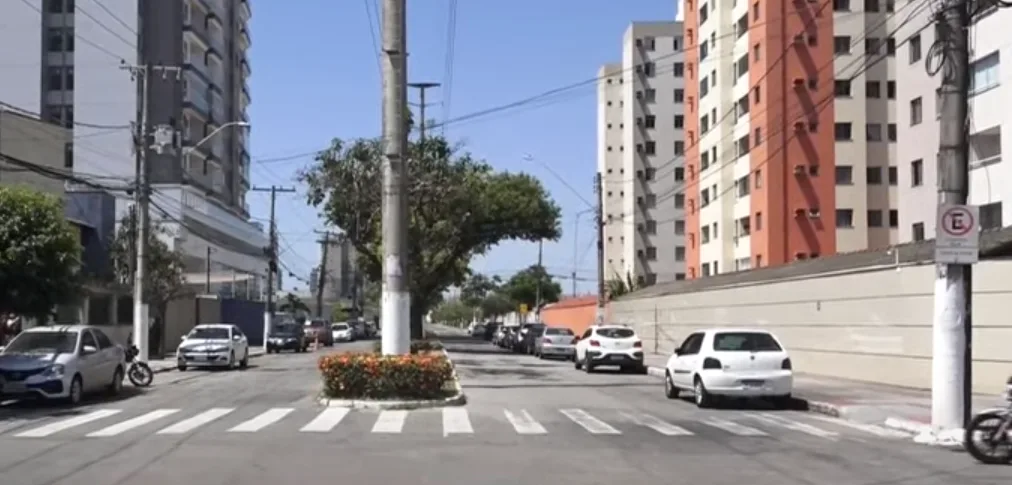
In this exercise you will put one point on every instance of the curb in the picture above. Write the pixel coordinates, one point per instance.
(173, 367)
(908, 425)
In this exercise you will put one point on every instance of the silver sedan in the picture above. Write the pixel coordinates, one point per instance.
(555, 342)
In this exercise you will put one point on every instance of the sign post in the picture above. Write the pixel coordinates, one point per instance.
(957, 240)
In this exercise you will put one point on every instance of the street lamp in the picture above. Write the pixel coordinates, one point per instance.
(215, 132)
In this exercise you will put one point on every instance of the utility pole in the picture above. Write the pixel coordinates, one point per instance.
(541, 277)
(599, 221)
(396, 304)
(272, 256)
(322, 277)
(951, 381)
(207, 276)
(161, 143)
(422, 87)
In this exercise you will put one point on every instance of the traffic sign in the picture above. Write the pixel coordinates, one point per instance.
(523, 308)
(957, 237)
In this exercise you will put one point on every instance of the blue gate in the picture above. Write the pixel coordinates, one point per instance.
(247, 315)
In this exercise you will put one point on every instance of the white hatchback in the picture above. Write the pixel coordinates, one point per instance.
(733, 363)
(609, 345)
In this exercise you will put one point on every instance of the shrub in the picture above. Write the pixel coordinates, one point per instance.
(417, 346)
(370, 376)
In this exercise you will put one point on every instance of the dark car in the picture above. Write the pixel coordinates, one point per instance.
(490, 329)
(287, 337)
(529, 333)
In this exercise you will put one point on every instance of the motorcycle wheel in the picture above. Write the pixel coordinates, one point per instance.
(140, 374)
(999, 451)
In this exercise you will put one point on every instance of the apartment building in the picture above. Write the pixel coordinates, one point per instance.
(62, 59)
(917, 148)
(339, 282)
(640, 147)
(790, 141)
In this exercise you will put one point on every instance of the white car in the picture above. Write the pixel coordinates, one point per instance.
(609, 345)
(732, 363)
(213, 345)
(342, 332)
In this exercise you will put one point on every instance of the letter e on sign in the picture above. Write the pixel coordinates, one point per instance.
(957, 238)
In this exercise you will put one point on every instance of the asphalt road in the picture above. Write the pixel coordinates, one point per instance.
(527, 421)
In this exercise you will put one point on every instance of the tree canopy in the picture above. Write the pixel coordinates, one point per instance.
(522, 287)
(165, 271)
(40, 254)
(477, 288)
(453, 312)
(459, 207)
(293, 304)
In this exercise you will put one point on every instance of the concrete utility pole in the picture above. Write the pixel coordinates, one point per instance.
(207, 276)
(951, 362)
(322, 277)
(396, 305)
(422, 87)
(541, 278)
(272, 257)
(599, 221)
(143, 75)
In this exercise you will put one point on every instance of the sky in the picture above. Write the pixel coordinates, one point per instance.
(316, 77)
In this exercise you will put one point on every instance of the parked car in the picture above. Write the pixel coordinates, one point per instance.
(318, 330)
(609, 345)
(342, 332)
(735, 363)
(491, 329)
(555, 342)
(289, 336)
(500, 335)
(524, 340)
(213, 345)
(61, 362)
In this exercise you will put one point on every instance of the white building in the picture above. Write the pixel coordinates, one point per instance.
(62, 60)
(640, 145)
(991, 119)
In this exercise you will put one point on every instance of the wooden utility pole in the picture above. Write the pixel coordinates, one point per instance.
(272, 256)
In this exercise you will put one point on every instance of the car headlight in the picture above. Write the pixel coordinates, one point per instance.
(55, 371)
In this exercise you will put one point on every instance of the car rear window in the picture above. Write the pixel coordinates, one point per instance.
(558, 331)
(616, 332)
(316, 324)
(745, 342)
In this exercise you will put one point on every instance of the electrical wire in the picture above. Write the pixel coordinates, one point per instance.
(451, 47)
(79, 37)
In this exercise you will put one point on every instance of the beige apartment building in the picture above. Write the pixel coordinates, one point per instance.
(640, 148)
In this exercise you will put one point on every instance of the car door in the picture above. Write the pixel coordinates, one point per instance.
(110, 353)
(242, 343)
(90, 362)
(684, 364)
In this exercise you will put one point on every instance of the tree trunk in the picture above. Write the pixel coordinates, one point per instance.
(418, 311)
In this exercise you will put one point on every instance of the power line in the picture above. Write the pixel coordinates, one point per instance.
(78, 36)
(451, 46)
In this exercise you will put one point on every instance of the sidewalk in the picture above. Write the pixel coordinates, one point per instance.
(899, 408)
(169, 363)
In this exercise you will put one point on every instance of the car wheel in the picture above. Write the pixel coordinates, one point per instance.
(244, 363)
(181, 367)
(702, 396)
(231, 360)
(76, 391)
(782, 402)
(670, 391)
(587, 365)
(116, 386)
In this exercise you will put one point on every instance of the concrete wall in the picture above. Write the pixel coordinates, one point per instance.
(575, 314)
(871, 325)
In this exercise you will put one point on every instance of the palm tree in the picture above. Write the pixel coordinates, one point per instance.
(618, 287)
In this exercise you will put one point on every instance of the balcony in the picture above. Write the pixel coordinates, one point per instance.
(245, 92)
(244, 9)
(244, 39)
(247, 71)
(985, 148)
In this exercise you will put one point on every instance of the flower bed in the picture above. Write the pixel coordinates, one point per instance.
(417, 346)
(366, 375)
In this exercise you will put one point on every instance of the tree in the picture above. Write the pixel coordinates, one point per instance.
(337, 314)
(453, 312)
(40, 254)
(617, 286)
(293, 304)
(522, 287)
(164, 269)
(495, 305)
(477, 287)
(458, 208)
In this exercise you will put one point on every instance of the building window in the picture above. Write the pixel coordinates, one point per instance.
(758, 221)
(990, 216)
(679, 253)
(894, 218)
(679, 147)
(891, 132)
(843, 132)
(651, 227)
(679, 201)
(841, 5)
(916, 111)
(68, 155)
(841, 88)
(874, 218)
(872, 89)
(55, 78)
(916, 173)
(649, 122)
(680, 229)
(844, 175)
(873, 132)
(57, 6)
(679, 96)
(891, 89)
(914, 48)
(679, 174)
(894, 176)
(679, 121)
(651, 253)
(841, 45)
(871, 6)
(844, 218)
(55, 40)
(917, 231)
(678, 69)
(874, 175)
(985, 73)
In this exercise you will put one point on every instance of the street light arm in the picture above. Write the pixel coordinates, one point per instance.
(218, 130)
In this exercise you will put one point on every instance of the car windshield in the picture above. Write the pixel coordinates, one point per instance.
(615, 332)
(285, 330)
(339, 326)
(43, 343)
(745, 342)
(316, 323)
(210, 333)
(558, 331)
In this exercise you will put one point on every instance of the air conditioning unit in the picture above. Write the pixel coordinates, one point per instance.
(799, 39)
(799, 83)
(799, 126)
(799, 169)
(800, 212)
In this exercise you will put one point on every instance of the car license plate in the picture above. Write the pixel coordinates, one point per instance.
(753, 383)
(616, 357)
(199, 357)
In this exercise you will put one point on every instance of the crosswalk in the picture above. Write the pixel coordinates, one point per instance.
(452, 421)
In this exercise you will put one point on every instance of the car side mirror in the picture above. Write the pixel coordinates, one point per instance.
(88, 350)
(182, 338)
(237, 337)
(676, 351)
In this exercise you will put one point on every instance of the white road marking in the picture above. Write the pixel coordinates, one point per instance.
(262, 421)
(782, 422)
(132, 423)
(524, 423)
(663, 427)
(390, 421)
(50, 429)
(867, 428)
(455, 421)
(732, 427)
(326, 420)
(190, 424)
(588, 422)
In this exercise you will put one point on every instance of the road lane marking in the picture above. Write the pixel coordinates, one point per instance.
(390, 421)
(326, 420)
(50, 429)
(867, 428)
(262, 421)
(455, 421)
(132, 423)
(588, 422)
(732, 427)
(190, 424)
(782, 422)
(524, 423)
(663, 427)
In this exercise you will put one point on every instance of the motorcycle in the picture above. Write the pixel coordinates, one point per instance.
(992, 443)
(140, 373)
